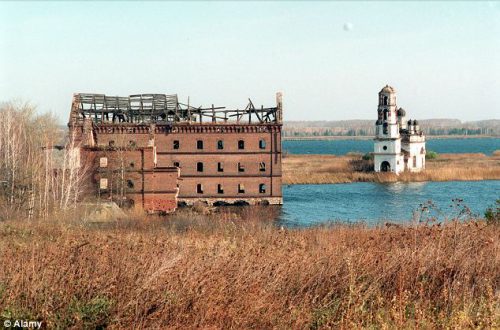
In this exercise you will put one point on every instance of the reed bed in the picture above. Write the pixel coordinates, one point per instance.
(225, 271)
(323, 169)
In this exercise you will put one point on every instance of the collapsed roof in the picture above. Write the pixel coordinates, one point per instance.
(163, 108)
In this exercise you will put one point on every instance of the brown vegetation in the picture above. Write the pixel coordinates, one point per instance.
(220, 273)
(315, 169)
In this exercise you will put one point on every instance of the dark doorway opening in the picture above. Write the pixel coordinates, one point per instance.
(385, 166)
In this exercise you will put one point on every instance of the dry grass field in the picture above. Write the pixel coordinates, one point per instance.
(304, 169)
(196, 271)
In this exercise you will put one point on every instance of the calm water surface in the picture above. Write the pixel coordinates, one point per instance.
(307, 205)
(341, 147)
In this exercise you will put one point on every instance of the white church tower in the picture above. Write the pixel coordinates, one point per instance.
(399, 145)
(387, 152)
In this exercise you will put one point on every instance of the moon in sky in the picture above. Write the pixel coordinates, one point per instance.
(348, 26)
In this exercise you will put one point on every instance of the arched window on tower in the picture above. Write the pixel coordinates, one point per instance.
(385, 114)
(386, 100)
(386, 128)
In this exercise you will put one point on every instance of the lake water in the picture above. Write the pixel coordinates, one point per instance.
(308, 205)
(341, 147)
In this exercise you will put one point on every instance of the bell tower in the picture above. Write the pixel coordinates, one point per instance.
(387, 147)
(387, 123)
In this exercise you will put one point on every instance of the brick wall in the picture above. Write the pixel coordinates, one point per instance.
(131, 173)
(147, 151)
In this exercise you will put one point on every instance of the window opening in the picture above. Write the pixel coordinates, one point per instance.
(262, 144)
(103, 162)
(103, 183)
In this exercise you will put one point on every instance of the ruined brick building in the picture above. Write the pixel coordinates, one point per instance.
(153, 152)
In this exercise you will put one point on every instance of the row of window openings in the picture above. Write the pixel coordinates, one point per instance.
(220, 167)
(103, 162)
(220, 144)
(199, 144)
(241, 188)
(103, 184)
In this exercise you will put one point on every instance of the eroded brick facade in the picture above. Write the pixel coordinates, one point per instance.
(159, 164)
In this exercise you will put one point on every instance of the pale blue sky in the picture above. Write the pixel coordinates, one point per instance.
(442, 57)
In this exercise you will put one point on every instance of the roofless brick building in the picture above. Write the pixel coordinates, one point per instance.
(153, 152)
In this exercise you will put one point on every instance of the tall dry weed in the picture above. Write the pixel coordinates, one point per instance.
(319, 169)
(220, 272)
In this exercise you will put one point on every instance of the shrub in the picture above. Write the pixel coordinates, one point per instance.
(87, 314)
(368, 156)
(431, 154)
(492, 215)
(362, 164)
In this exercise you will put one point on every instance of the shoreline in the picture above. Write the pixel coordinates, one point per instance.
(331, 169)
(370, 137)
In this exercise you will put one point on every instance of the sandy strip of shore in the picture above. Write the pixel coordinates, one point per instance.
(323, 169)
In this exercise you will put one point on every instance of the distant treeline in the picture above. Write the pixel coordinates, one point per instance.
(367, 127)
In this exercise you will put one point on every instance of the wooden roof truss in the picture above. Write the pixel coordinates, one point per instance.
(158, 108)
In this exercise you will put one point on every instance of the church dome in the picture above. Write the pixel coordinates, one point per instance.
(415, 122)
(388, 89)
(401, 112)
(410, 122)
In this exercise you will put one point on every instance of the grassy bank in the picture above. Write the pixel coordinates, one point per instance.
(203, 272)
(317, 169)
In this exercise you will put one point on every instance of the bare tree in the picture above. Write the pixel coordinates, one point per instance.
(33, 180)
